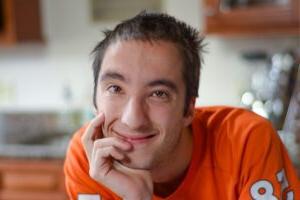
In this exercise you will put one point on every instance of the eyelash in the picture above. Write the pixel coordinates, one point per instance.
(114, 89)
(160, 94)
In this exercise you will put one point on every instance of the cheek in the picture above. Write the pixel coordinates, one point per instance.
(105, 106)
(110, 109)
(167, 118)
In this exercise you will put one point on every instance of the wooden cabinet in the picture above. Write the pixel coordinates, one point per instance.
(20, 21)
(31, 180)
(257, 19)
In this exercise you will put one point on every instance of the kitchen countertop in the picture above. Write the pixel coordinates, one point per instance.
(36, 134)
(32, 151)
(55, 149)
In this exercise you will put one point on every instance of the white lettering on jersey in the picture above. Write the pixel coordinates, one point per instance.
(281, 177)
(263, 189)
(89, 197)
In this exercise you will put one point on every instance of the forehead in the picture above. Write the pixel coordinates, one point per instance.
(144, 59)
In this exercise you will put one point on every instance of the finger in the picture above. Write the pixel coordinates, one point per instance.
(101, 156)
(113, 141)
(93, 128)
(144, 174)
(120, 167)
(102, 163)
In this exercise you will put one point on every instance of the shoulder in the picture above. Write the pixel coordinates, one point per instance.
(247, 146)
(231, 121)
(76, 157)
(236, 134)
(76, 139)
(75, 145)
(225, 114)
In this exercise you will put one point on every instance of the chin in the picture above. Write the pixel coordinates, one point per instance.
(142, 165)
(140, 159)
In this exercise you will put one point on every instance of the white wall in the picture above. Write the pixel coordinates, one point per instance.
(36, 74)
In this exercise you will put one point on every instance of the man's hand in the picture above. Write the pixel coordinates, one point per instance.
(104, 156)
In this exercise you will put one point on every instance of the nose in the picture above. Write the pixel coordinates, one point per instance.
(134, 114)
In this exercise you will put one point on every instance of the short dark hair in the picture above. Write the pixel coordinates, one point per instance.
(154, 27)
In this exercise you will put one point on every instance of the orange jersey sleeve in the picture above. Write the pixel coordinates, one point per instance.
(242, 157)
(77, 180)
(266, 170)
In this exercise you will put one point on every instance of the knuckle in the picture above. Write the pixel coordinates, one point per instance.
(98, 143)
(100, 153)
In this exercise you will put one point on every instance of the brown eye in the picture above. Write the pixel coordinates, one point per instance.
(160, 94)
(114, 89)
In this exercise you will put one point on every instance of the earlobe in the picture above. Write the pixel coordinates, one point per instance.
(190, 113)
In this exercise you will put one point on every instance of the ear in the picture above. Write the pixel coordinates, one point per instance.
(189, 115)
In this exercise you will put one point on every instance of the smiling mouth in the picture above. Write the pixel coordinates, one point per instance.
(135, 139)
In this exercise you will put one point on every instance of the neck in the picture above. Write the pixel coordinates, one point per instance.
(168, 176)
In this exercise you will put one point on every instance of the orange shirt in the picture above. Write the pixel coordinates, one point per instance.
(236, 155)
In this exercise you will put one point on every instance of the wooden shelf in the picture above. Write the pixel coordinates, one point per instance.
(265, 20)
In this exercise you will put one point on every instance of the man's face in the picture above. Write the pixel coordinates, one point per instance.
(142, 94)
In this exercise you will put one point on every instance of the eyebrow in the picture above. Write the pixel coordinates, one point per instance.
(164, 82)
(112, 75)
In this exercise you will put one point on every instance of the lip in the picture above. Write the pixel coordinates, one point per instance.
(135, 139)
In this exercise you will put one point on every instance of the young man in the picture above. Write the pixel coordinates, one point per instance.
(149, 142)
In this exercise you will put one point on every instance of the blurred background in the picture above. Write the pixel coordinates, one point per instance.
(252, 61)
